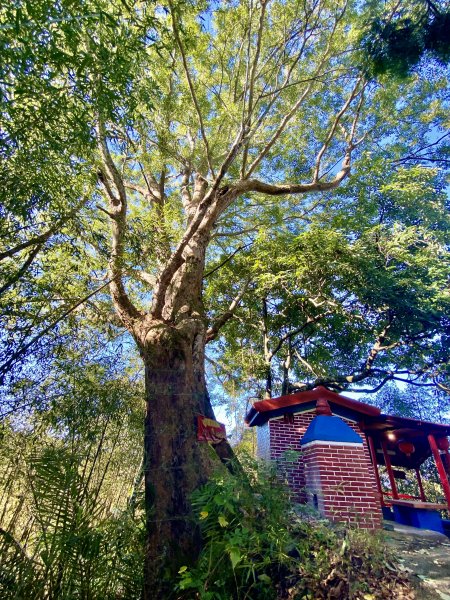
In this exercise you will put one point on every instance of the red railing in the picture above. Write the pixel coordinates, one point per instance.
(400, 496)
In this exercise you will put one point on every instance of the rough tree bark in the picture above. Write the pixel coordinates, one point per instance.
(171, 341)
(175, 464)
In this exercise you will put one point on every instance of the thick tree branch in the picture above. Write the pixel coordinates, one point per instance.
(254, 185)
(38, 240)
(126, 310)
(111, 171)
(305, 363)
(442, 386)
(147, 278)
(186, 196)
(375, 389)
(154, 190)
(378, 346)
(137, 188)
(205, 216)
(344, 381)
(217, 200)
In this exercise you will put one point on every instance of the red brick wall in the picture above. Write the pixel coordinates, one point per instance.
(287, 436)
(343, 483)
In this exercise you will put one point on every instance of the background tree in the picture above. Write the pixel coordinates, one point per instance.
(395, 42)
(359, 293)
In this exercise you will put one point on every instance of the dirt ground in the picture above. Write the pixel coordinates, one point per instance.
(426, 556)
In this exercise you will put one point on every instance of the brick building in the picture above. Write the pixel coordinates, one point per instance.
(329, 448)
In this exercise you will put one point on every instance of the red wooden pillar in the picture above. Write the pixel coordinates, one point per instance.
(440, 467)
(419, 481)
(387, 462)
(446, 461)
(443, 445)
(375, 466)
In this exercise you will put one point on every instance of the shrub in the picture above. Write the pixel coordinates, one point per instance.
(247, 542)
(260, 546)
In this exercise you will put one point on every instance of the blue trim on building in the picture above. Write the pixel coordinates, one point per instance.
(330, 429)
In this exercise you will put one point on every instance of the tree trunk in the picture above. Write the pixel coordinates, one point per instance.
(266, 350)
(286, 369)
(175, 462)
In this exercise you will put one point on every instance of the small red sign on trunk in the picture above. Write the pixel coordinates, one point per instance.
(209, 430)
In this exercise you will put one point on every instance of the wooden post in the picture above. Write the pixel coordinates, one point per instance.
(419, 481)
(440, 467)
(446, 461)
(375, 466)
(387, 462)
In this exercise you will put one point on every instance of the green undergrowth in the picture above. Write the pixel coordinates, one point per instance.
(259, 545)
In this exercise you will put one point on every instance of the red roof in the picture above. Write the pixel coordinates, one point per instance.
(264, 410)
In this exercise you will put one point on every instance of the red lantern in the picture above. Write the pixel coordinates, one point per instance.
(442, 443)
(406, 447)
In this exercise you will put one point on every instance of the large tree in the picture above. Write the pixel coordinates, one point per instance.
(202, 123)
